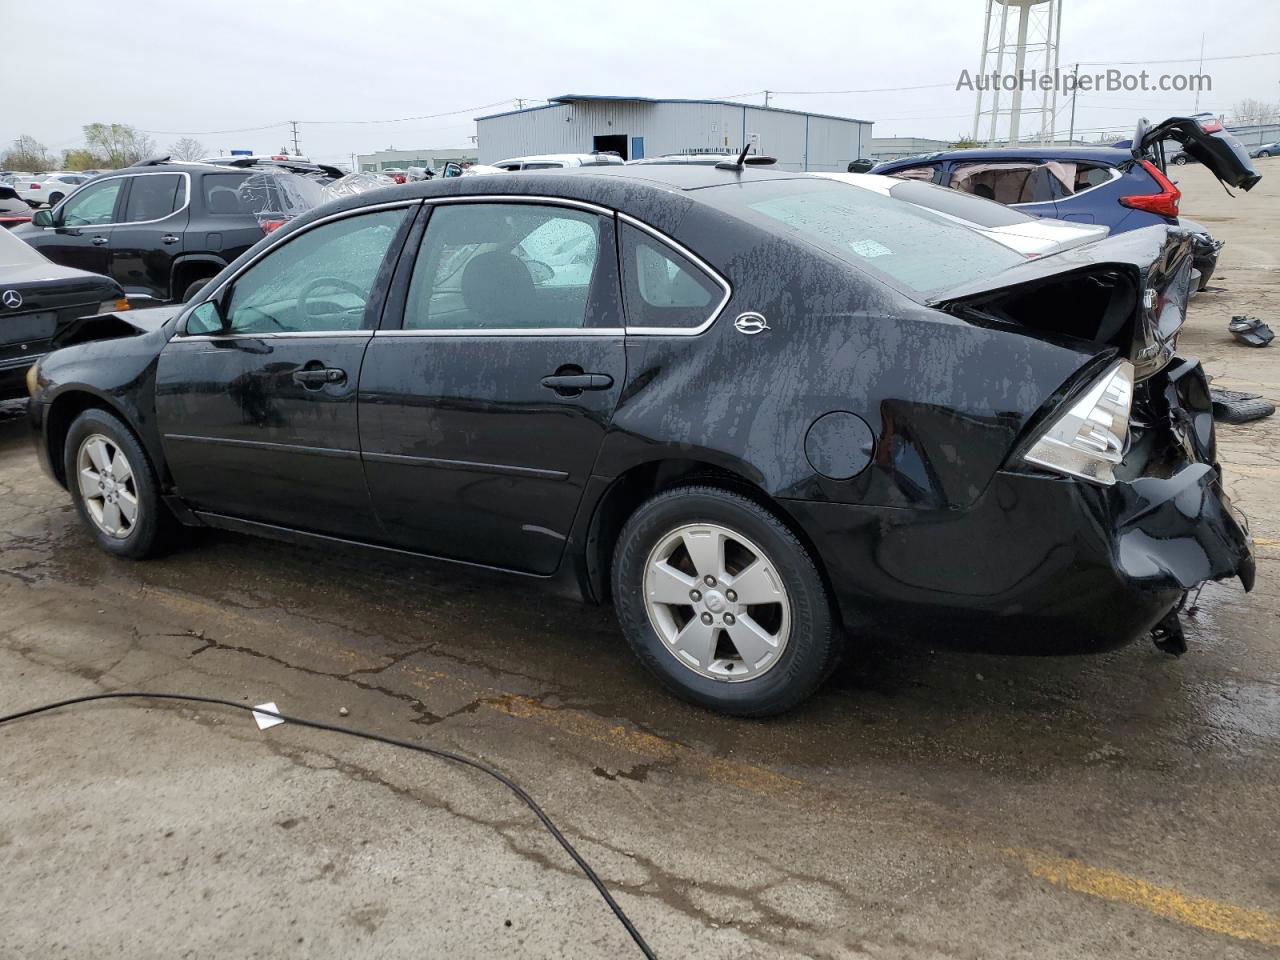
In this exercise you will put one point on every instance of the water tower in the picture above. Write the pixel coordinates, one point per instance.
(1018, 36)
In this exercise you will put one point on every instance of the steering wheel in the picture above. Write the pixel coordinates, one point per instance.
(304, 295)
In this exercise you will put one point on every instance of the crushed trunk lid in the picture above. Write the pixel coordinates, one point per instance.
(1128, 292)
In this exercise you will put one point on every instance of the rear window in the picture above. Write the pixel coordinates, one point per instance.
(952, 203)
(912, 248)
(222, 194)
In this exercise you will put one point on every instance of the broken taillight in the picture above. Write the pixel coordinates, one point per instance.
(1088, 439)
(1164, 203)
(270, 226)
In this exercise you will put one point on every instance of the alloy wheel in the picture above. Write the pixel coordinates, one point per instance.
(107, 486)
(717, 601)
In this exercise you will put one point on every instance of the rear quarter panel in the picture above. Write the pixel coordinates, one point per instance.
(945, 400)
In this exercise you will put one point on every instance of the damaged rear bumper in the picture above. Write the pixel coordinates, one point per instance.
(1041, 563)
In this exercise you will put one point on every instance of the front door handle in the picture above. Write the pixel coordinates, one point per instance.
(169, 238)
(571, 384)
(313, 378)
(99, 241)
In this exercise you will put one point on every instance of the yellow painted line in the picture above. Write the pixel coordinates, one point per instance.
(1200, 912)
(1264, 542)
(744, 775)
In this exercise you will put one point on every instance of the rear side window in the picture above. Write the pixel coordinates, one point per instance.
(153, 196)
(505, 266)
(222, 196)
(663, 288)
(928, 173)
(1014, 182)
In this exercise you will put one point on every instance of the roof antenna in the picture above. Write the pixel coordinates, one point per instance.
(736, 164)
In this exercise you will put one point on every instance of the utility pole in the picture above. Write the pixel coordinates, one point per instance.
(1201, 72)
(1075, 76)
(297, 150)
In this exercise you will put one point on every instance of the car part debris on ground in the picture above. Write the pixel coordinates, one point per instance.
(1250, 331)
(1235, 406)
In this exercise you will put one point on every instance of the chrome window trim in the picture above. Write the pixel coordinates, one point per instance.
(181, 333)
(1112, 172)
(568, 332)
(697, 261)
(127, 223)
(282, 335)
(521, 198)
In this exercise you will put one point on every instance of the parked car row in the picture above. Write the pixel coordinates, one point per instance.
(756, 411)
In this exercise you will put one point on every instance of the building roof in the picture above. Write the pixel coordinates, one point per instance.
(566, 98)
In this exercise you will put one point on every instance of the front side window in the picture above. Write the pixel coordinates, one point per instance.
(92, 205)
(153, 197)
(661, 287)
(321, 281)
(504, 266)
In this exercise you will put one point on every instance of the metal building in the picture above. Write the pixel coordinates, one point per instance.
(637, 127)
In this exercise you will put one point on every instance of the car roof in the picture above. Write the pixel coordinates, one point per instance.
(585, 158)
(1111, 155)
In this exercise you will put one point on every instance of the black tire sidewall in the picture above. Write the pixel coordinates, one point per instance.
(812, 648)
(148, 535)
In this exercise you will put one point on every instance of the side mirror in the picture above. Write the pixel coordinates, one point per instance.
(452, 169)
(42, 218)
(206, 319)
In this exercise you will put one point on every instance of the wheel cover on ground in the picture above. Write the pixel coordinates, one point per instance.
(107, 486)
(717, 602)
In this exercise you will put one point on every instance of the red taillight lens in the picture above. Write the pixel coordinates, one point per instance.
(1164, 203)
(270, 226)
(1210, 126)
(34, 186)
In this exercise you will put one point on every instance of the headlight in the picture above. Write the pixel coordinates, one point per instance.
(1088, 440)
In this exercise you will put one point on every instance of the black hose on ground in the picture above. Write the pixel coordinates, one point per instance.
(459, 758)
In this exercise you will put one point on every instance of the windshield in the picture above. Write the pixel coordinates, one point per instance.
(912, 248)
(15, 252)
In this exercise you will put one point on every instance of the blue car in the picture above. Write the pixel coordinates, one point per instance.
(1123, 186)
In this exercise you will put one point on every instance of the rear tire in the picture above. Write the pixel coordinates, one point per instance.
(754, 658)
(1264, 153)
(54, 200)
(110, 476)
(193, 288)
(1180, 161)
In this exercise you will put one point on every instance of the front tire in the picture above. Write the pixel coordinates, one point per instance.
(1180, 161)
(193, 288)
(723, 603)
(113, 484)
(54, 200)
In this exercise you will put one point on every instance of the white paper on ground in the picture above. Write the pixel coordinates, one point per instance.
(265, 720)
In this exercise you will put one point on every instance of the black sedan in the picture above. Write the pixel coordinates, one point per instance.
(41, 301)
(758, 412)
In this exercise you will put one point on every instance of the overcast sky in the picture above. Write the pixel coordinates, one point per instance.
(179, 68)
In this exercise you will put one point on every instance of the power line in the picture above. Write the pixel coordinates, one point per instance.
(425, 116)
(209, 133)
(1133, 63)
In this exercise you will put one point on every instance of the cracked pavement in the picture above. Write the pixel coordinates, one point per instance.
(928, 803)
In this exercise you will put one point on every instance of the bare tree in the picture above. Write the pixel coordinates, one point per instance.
(118, 143)
(188, 148)
(28, 155)
(1250, 110)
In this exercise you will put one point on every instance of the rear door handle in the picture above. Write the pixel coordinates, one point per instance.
(99, 241)
(571, 384)
(169, 238)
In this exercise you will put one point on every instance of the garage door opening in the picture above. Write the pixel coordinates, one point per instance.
(615, 142)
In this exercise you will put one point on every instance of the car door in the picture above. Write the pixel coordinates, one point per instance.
(82, 226)
(486, 396)
(150, 234)
(256, 395)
